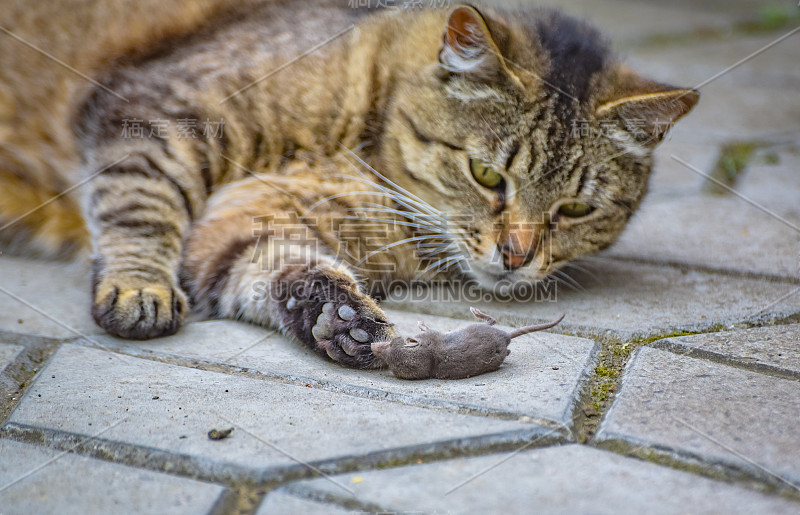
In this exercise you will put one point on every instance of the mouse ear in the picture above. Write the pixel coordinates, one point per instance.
(411, 342)
(483, 316)
(422, 326)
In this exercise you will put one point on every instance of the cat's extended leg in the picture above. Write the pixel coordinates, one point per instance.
(284, 277)
(151, 159)
(141, 197)
(138, 213)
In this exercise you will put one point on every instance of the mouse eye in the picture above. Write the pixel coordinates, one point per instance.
(411, 342)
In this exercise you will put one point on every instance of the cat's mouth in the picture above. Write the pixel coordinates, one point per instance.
(489, 270)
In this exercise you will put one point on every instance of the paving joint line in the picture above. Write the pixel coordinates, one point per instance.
(360, 392)
(235, 476)
(18, 377)
(354, 505)
(601, 388)
(598, 391)
(678, 459)
(580, 423)
(676, 347)
(149, 458)
(230, 501)
(26, 339)
(700, 267)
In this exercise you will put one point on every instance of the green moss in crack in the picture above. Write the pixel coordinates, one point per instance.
(772, 158)
(602, 371)
(603, 391)
(733, 160)
(773, 17)
(646, 340)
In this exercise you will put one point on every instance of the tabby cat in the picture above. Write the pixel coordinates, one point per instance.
(276, 161)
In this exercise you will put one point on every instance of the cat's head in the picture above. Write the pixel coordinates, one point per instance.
(527, 134)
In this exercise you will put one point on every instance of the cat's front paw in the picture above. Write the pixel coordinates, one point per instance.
(345, 332)
(131, 308)
(324, 308)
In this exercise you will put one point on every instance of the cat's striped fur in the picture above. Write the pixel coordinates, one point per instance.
(371, 132)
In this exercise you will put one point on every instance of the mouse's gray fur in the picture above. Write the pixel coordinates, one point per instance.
(474, 350)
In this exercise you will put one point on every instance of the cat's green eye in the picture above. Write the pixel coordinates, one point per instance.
(575, 209)
(484, 174)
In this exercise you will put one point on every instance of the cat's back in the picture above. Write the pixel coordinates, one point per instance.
(53, 54)
(50, 54)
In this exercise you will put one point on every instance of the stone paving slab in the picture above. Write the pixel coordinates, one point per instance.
(711, 231)
(282, 503)
(718, 413)
(8, 353)
(72, 484)
(172, 408)
(350, 414)
(755, 100)
(775, 347)
(539, 379)
(58, 291)
(776, 186)
(629, 22)
(670, 179)
(760, 235)
(691, 62)
(565, 479)
(629, 299)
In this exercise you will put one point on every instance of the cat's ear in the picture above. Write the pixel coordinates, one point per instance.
(467, 45)
(645, 108)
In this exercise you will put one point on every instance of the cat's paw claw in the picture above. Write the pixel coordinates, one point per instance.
(349, 347)
(138, 311)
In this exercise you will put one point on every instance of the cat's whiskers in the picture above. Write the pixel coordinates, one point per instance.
(442, 265)
(442, 250)
(398, 197)
(564, 278)
(582, 269)
(383, 177)
(356, 193)
(387, 221)
(434, 247)
(400, 242)
(415, 217)
(443, 240)
(432, 220)
(419, 221)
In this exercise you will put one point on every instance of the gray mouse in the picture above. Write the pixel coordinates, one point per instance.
(474, 350)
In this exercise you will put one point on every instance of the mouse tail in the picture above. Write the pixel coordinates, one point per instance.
(533, 328)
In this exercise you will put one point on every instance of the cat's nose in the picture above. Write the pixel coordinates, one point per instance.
(513, 260)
